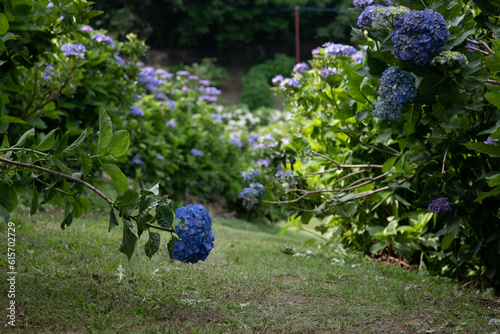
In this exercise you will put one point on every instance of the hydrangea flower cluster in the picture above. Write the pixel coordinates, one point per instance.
(101, 38)
(70, 49)
(419, 36)
(136, 111)
(137, 160)
(366, 3)
(490, 141)
(300, 67)
(380, 15)
(335, 50)
(283, 175)
(195, 234)
(439, 205)
(147, 77)
(250, 175)
(326, 72)
(396, 88)
(197, 152)
(450, 59)
(289, 82)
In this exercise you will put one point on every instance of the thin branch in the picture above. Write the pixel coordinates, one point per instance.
(327, 158)
(372, 147)
(369, 180)
(68, 177)
(160, 228)
(346, 166)
(493, 82)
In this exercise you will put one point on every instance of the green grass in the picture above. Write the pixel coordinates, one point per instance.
(68, 282)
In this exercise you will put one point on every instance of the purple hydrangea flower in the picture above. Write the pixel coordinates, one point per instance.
(490, 141)
(118, 58)
(193, 77)
(101, 38)
(86, 28)
(325, 72)
(136, 111)
(216, 117)
(250, 175)
(207, 98)
(50, 5)
(160, 157)
(300, 67)
(387, 109)
(333, 49)
(365, 3)
(277, 79)
(204, 82)
(419, 36)
(195, 234)
(439, 205)
(70, 49)
(171, 124)
(381, 16)
(197, 152)
(185, 73)
(236, 142)
(210, 91)
(358, 57)
(185, 90)
(289, 82)
(137, 160)
(450, 59)
(263, 162)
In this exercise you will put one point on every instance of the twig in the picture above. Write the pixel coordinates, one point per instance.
(347, 166)
(325, 157)
(372, 147)
(493, 82)
(68, 177)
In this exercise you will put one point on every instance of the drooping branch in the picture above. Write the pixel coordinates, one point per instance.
(372, 147)
(59, 174)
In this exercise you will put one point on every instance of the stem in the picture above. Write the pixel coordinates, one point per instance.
(346, 166)
(159, 227)
(444, 159)
(493, 82)
(372, 147)
(68, 177)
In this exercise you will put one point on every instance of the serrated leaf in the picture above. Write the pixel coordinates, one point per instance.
(153, 244)
(129, 240)
(120, 143)
(112, 220)
(120, 182)
(105, 132)
(165, 216)
(47, 142)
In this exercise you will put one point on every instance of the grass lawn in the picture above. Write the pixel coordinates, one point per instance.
(76, 281)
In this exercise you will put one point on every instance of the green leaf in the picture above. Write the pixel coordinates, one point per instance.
(127, 202)
(378, 246)
(4, 214)
(493, 98)
(47, 142)
(71, 148)
(105, 132)
(67, 221)
(120, 182)
(86, 162)
(129, 239)
(484, 148)
(34, 202)
(84, 202)
(4, 24)
(12, 119)
(482, 195)
(447, 240)
(112, 220)
(120, 143)
(306, 217)
(25, 136)
(170, 246)
(388, 164)
(153, 244)
(165, 216)
(77, 209)
(493, 62)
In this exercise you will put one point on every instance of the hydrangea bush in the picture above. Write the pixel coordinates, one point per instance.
(61, 85)
(395, 152)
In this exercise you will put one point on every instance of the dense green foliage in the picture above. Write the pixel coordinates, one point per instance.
(257, 84)
(222, 23)
(373, 181)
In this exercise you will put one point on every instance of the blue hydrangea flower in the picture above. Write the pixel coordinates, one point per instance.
(118, 58)
(207, 98)
(365, 3)
(300, 67)
(236, 142)
(439, 205)
(325, 72)
(86, 28)
(185, 89)
(380, 16)
(204, 82)
(48, 72)
(450, 59)
(358, 57)
(210, 90)
(183, 73)
(367, 16)
(137, 160)
(216, 117)
(50, 5)
(160, 157)
(250, 175)
(193, 77)
(259, 187)
(101, 38)
(398, 84)
(277, 79)
(171, 124)
(283, 175)
(70, 49)
(136, 111)
(335, 50)
(419, 36)
(195, 234)
(249, 196)
(289, 82)
(197, 152)
(262, 162)
(387, 109)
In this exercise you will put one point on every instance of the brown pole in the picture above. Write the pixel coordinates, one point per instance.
(297, 35)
